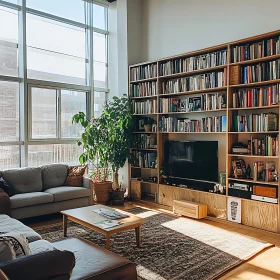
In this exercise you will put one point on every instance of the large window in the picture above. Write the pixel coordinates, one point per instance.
(53, 64)
(8, 41)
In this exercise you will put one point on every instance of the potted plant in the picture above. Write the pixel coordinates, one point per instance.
(96, 152)
(118, 120)
(107, 141)
(148, 124)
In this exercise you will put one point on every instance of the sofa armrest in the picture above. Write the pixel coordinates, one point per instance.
(5, 203)
(87, 183)
(47, 265)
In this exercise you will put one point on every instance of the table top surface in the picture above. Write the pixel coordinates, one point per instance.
(85, 216)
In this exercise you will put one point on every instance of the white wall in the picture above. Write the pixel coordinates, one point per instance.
(124, 48)
(171, 27)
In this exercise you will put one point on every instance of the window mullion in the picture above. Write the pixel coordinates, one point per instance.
(58, 106)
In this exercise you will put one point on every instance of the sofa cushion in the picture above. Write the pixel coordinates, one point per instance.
(67, 193)
(23, 180)
(75, 176)
(9, 224)
(28, 199)
(53, 175)
(41, 246)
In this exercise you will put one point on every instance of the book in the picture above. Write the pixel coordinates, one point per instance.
(107, 224)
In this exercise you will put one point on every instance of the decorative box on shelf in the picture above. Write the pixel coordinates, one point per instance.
(190, 209)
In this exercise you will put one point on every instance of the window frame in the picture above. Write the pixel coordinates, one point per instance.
(26, 83)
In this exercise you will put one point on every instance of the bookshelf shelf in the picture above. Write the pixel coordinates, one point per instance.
(255, 182)
(143, 80)
(193, 112)
(164, 132)
(254, 108)
(253, 61)
(259, 132)
(194, 92)
(255, 84)
(225, 80)
(190, 73)
(144, 97)
(253, 156)
(144, 149)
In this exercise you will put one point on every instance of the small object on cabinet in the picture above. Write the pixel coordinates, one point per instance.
(239, 168)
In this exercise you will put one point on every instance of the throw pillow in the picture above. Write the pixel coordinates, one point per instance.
(5, 187)
(75, 176)
(15, 245)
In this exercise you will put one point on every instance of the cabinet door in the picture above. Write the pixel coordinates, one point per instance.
(135, 189)
(165, 196)
(259, 214)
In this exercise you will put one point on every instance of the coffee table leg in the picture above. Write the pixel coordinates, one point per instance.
(65, 225)
(138, 236)
(108, 241)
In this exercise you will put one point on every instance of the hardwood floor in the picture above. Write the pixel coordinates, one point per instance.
(264, 266)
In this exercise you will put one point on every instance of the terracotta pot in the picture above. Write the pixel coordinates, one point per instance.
(117, 197)
(102, 192)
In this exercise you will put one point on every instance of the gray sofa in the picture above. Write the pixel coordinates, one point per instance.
(40, 190)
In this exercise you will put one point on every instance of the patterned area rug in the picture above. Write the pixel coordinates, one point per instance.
(172, 248)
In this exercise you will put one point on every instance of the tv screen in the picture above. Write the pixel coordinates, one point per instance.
(196, 160)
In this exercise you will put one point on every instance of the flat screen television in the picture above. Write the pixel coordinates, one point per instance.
(197, 160)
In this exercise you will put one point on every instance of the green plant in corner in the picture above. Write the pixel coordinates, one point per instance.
(117, 118)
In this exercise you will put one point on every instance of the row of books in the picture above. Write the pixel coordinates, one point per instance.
(205, 102)
(256, 50)
(144, 141)
(144, 159)
(267, 146)
(260, 72)
(181, 65)
(256, 97)
(261, 171)
(255, 122)
(198, 82)
(208, 124)
(143, 72)
(144, 107)
(264, 171)
(143, 89)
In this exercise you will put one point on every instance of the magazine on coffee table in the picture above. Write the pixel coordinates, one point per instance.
(107, 224)
(110, 214)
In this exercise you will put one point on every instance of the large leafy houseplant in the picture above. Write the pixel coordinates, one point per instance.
(108, 138)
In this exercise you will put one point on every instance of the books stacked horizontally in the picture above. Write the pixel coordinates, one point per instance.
(255, 122)
(208, 124)
(193, 63)
(143, 72)
(267, 146)
(205, 102)
(256, 50)
(143, 89)
(256, 97)
(260, 72)
(198, 82)
(144, 159)
(144, 107)
(264, 171)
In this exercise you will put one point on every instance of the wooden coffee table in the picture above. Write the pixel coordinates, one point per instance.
(86, 217)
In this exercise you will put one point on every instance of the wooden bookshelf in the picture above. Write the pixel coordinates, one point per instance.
(236, 60)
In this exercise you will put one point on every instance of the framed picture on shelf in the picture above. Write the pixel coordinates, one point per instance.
(141, 123)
